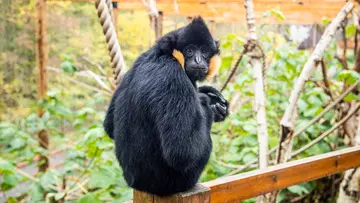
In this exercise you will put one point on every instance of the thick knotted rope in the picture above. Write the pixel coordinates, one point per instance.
(106, 19)
(110, 8)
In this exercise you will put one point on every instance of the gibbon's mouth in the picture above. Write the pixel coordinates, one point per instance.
(199, 71)
(202, 69)
(199, 68)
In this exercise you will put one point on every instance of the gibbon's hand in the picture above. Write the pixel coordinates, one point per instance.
(218, 104)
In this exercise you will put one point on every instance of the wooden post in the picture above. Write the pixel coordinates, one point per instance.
(199, 194)
(152, 25)
(189, 19)
(212, 27)
(42, 60)
(160, 23)
(158, 28)
(115, 12)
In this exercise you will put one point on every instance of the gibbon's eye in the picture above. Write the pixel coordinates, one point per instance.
(205, 51)
(190, 50)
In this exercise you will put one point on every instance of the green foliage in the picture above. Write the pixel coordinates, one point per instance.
(350, 30)
(10, 179)
(17, 81)
(276, 13)
(89, 198)
(299, 189)
(349, 76)
(67, 66)
(90, 159)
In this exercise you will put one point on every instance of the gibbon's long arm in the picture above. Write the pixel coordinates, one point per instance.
(184, 131)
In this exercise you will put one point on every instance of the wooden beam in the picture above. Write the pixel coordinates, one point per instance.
(189, 19)
(199, 193)
(244, 186)
(235, 7)
(41, 61)
(158, 25)
(212, 27)
(295, 12)
(116, 15)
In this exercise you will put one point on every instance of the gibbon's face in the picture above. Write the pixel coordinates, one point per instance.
(198, 52)
(197, 59)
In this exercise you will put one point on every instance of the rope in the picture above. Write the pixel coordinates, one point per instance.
(106, 20)
(110, 7)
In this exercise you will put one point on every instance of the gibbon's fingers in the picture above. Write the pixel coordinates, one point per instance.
(217, 96)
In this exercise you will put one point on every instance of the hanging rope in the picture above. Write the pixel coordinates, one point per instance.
(110, 8)
(106, 20)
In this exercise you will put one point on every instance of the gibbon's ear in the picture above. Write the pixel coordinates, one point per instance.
(214, 65)
(180, 57)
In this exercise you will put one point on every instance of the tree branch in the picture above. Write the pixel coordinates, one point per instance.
(325, 79)
(343, 26)
(105, 92)
(328, 108)
(301, 130)
(99, 81)
(288, 119)
(30, 177)
(98, 66)
(328, 132)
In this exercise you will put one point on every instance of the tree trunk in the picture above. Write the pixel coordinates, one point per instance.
(349, 191)
(42, 60)
(256, 57)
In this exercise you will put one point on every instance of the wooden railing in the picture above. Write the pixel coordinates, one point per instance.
(251, 184)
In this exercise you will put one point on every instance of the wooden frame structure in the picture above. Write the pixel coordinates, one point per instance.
(295, 11)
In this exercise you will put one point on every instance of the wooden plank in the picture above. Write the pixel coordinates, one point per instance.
(198, 194)
(300, 2)
(233, 6)
(244, 186)
(223, 4)
(260, 3)
(296, 12)
(221, 12)
(255, 1)
(116, 16)
(142, 197)
(41, 61)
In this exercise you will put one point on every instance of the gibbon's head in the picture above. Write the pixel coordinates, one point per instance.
(197, 51)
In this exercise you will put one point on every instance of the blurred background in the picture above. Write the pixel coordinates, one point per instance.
(82, 166)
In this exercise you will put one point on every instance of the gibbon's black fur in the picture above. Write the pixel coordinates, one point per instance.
(159, 119)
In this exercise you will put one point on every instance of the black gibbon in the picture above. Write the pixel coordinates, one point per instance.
(159, 119)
